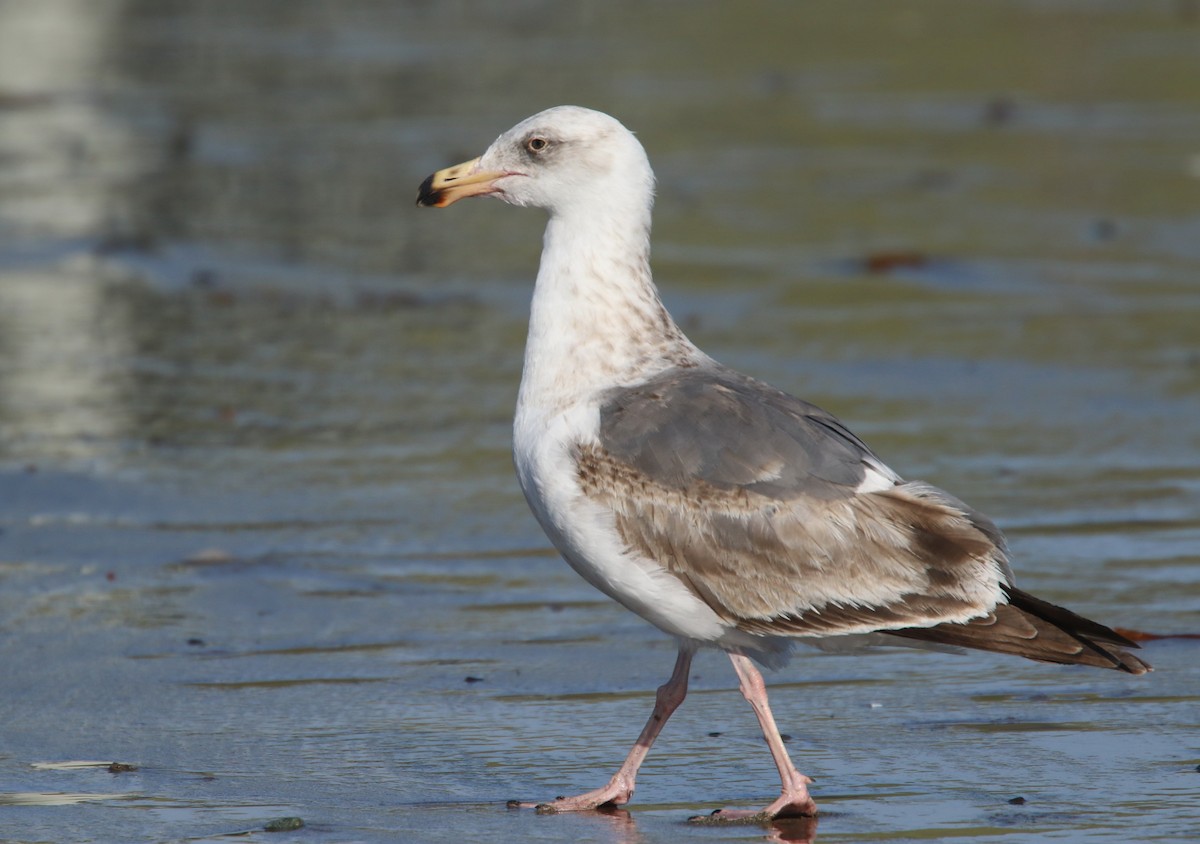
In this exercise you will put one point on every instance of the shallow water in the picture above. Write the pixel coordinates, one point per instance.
(260, 536)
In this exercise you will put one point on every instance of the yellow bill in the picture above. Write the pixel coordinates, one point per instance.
(445, 187)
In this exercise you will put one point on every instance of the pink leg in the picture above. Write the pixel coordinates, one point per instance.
(620, 788)
(794, 799)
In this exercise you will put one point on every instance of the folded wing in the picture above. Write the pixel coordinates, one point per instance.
(786, 524)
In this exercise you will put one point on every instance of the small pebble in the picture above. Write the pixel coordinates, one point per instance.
(196, 643)
(209, 557)
(714, 735)
(1104, 229)
(1017, 801)
(998, 110)
(204, 277)
(284, 824)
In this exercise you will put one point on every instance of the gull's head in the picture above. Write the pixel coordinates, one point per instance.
(562, 158)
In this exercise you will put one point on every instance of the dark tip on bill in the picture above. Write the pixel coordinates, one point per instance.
(426, 196)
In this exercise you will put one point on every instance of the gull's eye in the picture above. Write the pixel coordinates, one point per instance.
(536, 144)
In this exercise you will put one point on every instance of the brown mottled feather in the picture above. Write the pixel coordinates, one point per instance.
(750, 497)
(807, 566)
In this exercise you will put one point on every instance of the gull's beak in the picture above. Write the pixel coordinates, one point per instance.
(445, 187)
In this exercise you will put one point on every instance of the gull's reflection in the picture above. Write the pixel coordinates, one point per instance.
(801, 830)
(797, 830)
(618, 826)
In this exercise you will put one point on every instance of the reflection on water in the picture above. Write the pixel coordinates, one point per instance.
(258, 531)
(65, 348)
(63, 151)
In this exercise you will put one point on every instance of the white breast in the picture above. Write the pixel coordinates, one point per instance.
(585, 532)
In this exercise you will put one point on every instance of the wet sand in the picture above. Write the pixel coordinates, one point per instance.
(260, 543)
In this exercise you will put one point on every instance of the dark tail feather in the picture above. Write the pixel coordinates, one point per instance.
(1036, 629)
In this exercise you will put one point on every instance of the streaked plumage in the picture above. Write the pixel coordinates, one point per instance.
(724, 511)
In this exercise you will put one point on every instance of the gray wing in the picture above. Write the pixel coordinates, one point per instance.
(729, 430)
(750, 496)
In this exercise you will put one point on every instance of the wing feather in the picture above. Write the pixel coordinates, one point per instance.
(749, 496)
(786, 524)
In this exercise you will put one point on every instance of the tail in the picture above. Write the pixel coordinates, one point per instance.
(1036, 629)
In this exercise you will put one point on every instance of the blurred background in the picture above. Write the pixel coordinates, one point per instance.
(259, 534)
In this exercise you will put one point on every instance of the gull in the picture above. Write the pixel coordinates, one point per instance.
(725, 512)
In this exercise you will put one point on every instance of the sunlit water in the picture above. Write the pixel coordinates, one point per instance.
(260, 537)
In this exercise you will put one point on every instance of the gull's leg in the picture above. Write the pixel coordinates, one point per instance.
(620, 788)
(794, 799)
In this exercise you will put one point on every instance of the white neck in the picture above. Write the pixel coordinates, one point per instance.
(596, 320)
